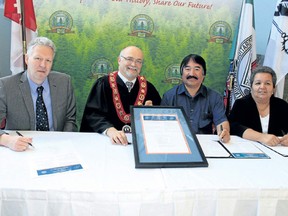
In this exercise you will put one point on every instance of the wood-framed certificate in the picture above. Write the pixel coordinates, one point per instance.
(162, 137)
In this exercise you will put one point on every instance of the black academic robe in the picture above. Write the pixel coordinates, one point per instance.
(100, 112)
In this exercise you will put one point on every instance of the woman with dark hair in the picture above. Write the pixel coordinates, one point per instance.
(260, 116)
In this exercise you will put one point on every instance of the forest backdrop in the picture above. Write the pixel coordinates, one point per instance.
(89, 34)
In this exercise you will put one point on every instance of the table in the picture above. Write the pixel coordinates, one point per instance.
(109, 184)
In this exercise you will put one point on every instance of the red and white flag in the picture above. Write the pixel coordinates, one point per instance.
(276, 55)
(12, 10)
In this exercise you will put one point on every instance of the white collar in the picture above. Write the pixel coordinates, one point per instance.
(124, 79)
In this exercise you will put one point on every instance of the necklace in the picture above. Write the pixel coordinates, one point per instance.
(122, 115)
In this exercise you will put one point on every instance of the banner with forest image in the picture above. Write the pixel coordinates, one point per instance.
(89, 35)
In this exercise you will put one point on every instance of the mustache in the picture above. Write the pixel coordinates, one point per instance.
(133, 68)
(191, 77)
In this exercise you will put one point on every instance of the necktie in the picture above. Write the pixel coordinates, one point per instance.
(42, 123)
(129, 85)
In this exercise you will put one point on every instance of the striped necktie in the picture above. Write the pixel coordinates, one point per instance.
(129, 85)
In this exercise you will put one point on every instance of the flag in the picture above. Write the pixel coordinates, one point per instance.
(229, 87)
(12, 10)
(276, 55)
(243, 55)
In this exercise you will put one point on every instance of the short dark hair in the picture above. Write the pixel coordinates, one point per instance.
(263, 69)
(195, 58)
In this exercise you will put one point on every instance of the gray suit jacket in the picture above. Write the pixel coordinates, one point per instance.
(16, 103)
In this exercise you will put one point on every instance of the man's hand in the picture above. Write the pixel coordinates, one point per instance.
(224, 136)
(117, 137)
(15, 143)
(223, 131)
(149, 103)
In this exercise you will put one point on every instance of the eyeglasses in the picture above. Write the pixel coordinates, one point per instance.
(130, 60)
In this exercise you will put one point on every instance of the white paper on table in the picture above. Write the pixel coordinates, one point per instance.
(53, 162)
(211, 147)
(164, 137)
(240, 145)
(282, 150)
(243, 148)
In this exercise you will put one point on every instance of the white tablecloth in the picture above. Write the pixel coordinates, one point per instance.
(109, 184)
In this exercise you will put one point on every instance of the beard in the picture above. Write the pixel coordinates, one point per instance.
(129, 74)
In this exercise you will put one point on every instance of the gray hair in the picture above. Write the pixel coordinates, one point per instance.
(41, 41)
(263, 69)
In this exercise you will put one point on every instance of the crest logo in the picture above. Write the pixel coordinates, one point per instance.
(284, 42)
(220, 32)
(60, 22)
(100, 67)
(141, 26)
(172, 74)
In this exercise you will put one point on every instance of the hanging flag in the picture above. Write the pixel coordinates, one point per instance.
(276, 55)
(12, 10)
(20, 36)
(243, 55)
(16, 52)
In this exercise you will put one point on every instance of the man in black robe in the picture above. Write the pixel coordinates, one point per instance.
(108, 106)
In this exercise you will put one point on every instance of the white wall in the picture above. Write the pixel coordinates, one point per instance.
(264, 12)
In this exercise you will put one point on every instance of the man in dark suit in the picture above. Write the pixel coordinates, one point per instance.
(19, 96)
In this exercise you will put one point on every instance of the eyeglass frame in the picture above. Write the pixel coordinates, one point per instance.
(131, 60)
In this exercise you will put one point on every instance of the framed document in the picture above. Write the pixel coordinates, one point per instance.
(162, 138)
